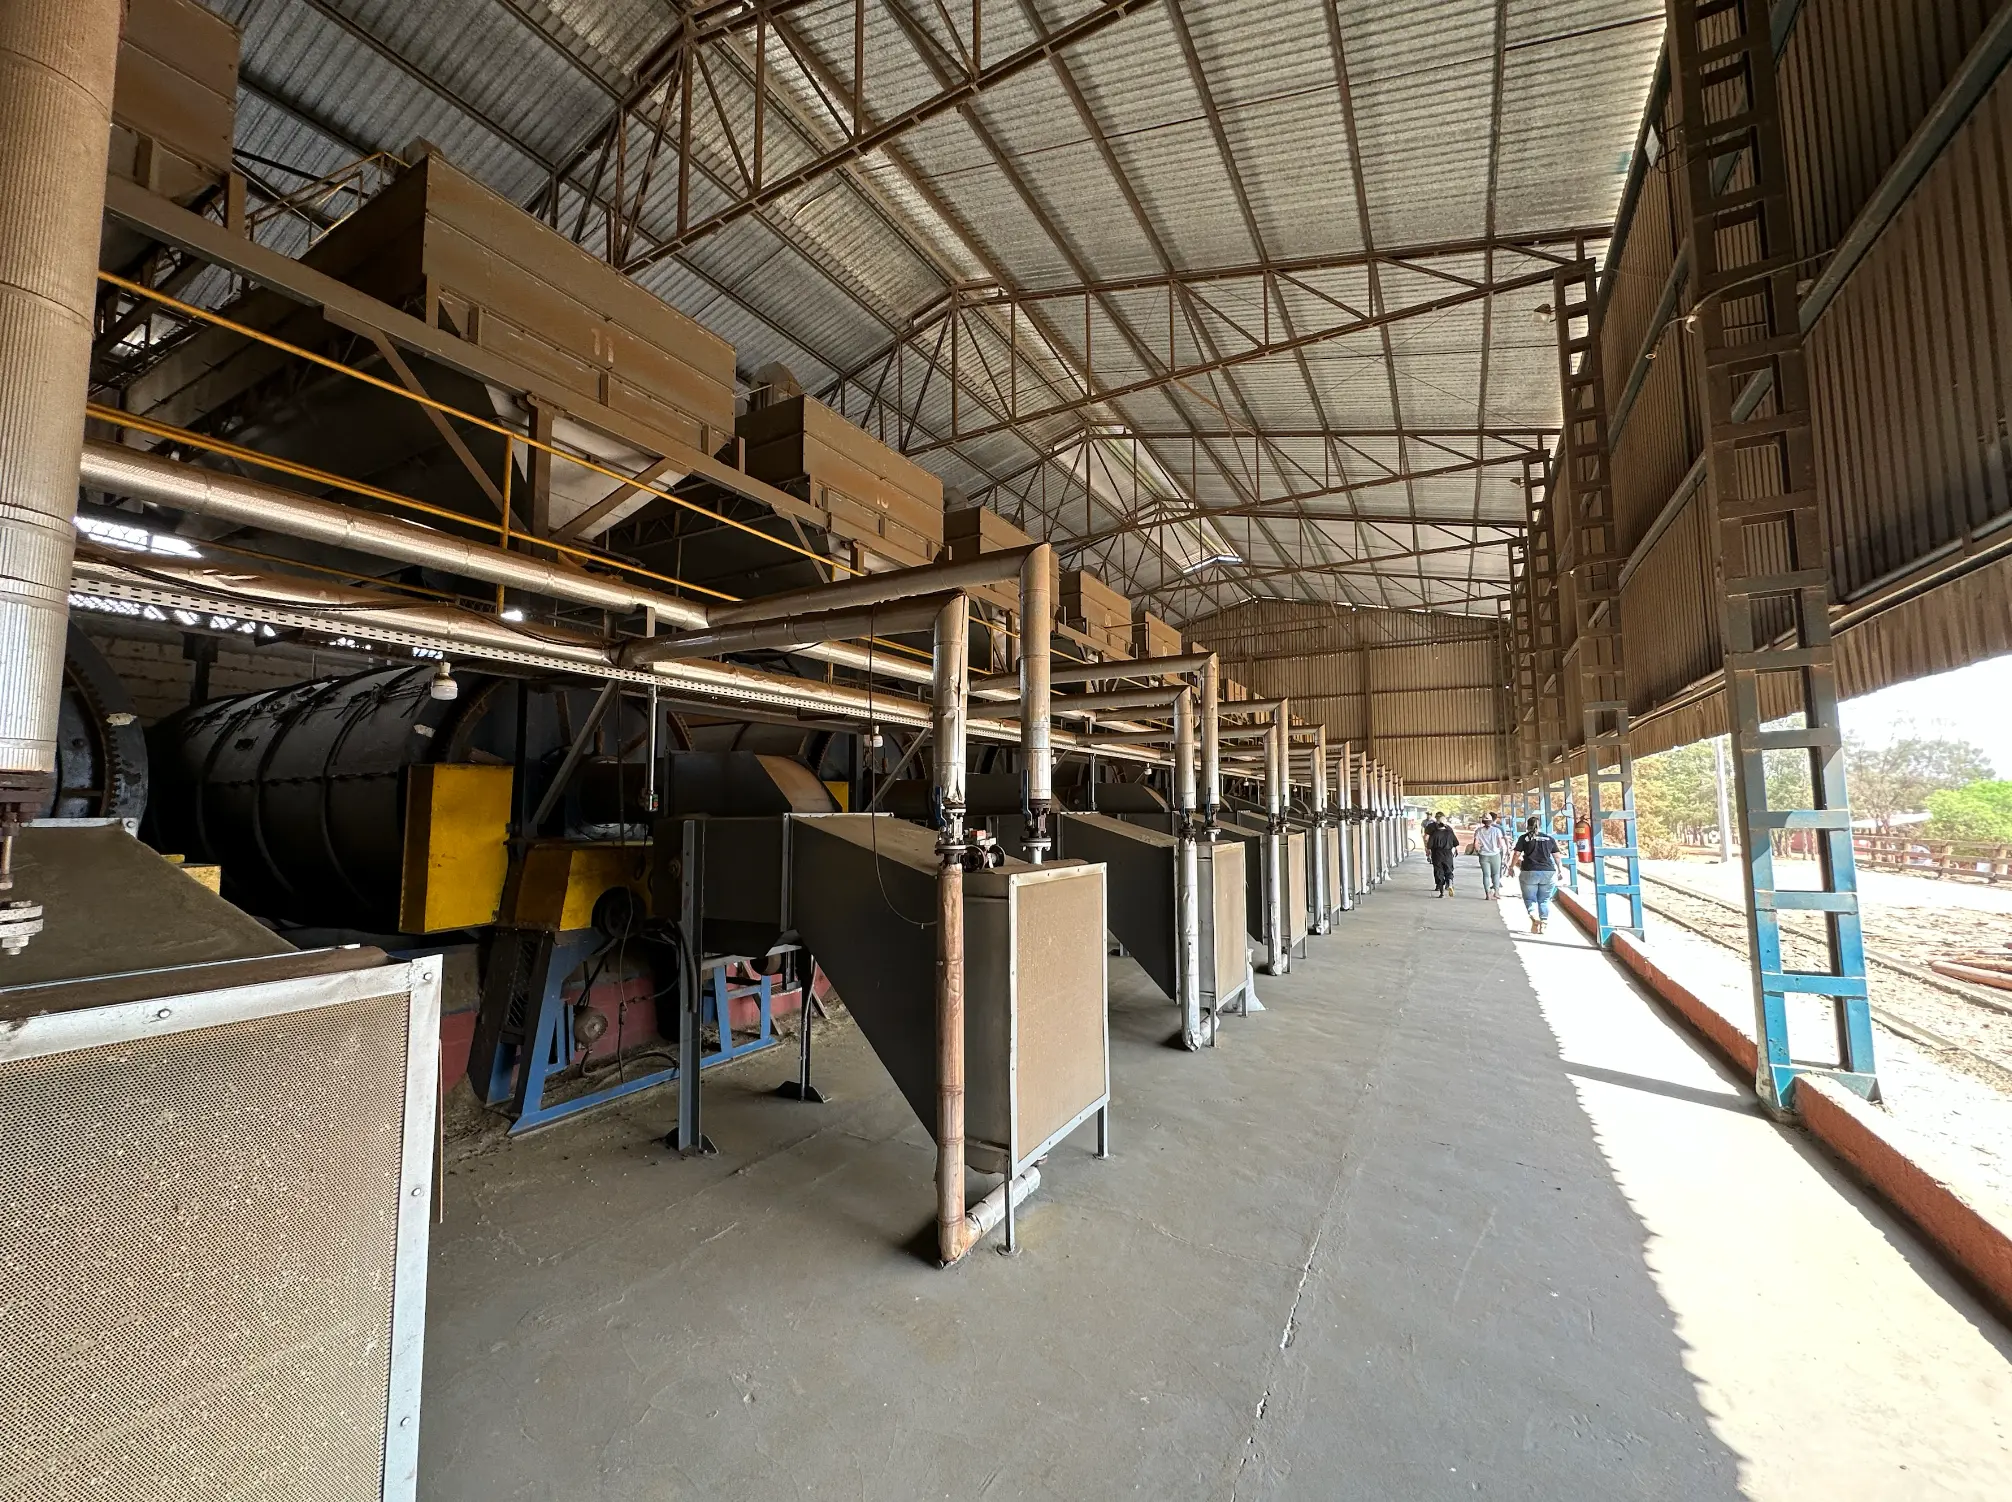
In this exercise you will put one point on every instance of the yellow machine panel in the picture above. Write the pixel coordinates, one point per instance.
(558, 882)
(457, 820)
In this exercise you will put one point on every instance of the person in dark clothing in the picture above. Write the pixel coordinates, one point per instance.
(1441, 845)
(1535, 861)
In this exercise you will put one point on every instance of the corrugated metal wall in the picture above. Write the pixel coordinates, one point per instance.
(1419, 691)
(1910, 366)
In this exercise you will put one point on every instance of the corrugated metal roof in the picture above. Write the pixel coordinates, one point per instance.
(827, 275)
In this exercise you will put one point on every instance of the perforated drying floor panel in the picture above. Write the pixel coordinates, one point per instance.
(196, 1245)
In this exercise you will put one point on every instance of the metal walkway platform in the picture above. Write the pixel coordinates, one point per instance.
(1459, 1215)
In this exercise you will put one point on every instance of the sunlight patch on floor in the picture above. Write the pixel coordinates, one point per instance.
(1833, 1359)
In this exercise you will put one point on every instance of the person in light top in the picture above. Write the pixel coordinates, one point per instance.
(1492, 843)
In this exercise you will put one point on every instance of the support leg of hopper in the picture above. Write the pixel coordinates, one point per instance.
(801, 1088)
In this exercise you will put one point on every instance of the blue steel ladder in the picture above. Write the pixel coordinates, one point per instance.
(1596, 558)
(1774, 578)
(1542, 502)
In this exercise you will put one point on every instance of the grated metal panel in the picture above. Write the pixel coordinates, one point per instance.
(197, 1236)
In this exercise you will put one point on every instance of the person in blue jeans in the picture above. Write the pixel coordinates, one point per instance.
(1492, 842)
(1535, 863)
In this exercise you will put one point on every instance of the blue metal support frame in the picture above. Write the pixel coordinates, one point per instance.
(1775, 578)
(541, 1046)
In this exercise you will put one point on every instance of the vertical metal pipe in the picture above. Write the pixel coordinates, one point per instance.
(1323, 831)
(949, 691)
(1187, 878)
(1344, 782)
(1276, 959)
(951, 1242)
(1212, 766)
(650, 799)
(1037, 615)
(57, 59)
(1376, 822)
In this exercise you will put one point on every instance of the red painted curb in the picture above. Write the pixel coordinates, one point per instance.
(1940, 1210)
(1869, 1144)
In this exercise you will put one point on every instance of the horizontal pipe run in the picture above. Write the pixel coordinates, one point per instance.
(251, 503)
(293, 603)
(1136, 698)
(875, 589)
(785, 633)
(1126, 738)
(233, 498)
(983, 1217)
(1105, 672)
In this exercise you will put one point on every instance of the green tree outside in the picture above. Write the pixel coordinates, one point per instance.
(1980, 810)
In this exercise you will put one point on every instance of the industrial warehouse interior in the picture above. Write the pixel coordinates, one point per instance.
(1005, 749)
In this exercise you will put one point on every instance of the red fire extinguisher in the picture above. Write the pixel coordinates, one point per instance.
(1582, 842)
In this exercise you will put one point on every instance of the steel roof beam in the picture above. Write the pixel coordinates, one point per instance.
(1197, 329)
(1365, 230)
(927, 50)
(1374, 323)
(863, 142)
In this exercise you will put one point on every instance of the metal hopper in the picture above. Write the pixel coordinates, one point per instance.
(1142, 896)
(1037, 1049)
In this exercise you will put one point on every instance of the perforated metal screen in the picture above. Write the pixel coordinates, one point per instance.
(197, 1237)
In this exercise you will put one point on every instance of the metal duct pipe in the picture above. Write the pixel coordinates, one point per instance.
(1188, 877)
(233, 498)
(1184, 751)
(343, 607)
(57, 59)
(1161, 698)
(1365, 857)
(878, 589)
(786, 632)
(1344, 802)
(1277, 960)
(1374, 784)
(1321, 824)
(1212, 767)
(949, 701)
(1037, 729)
(1383, 785)
(314, 605)
(1104, 672)
(1096, 738)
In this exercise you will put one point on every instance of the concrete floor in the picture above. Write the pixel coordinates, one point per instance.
(1460, 1215)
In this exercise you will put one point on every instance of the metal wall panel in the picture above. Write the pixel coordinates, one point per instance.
(1669, 613)
(1420, 691)
(1857, 77)
(1912, 366)
(1432, 711)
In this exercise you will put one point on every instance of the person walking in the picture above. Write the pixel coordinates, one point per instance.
(1491, 844)
(1535, 861)
(1441, 845)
